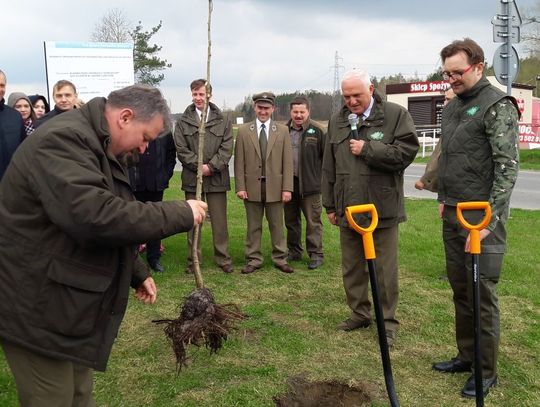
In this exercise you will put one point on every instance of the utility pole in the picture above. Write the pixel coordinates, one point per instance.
(506, 29)
(336, 99)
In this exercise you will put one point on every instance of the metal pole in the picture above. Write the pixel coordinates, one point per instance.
(508, 42)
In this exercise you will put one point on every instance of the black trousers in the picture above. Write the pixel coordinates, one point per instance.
(152, 247)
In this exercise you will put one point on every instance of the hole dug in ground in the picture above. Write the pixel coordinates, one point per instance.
(303, 393)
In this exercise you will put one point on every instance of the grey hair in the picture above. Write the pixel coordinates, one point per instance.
(146, 102)
(3, 74)
(362, 76)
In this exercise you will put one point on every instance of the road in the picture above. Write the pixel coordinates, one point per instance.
(526, 193)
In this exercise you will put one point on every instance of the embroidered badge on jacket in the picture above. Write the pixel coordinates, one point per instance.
(378, 135)
(472, 110)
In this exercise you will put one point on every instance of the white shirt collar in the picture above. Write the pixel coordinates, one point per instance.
(266, 124)
(367, 112)
(199, 113)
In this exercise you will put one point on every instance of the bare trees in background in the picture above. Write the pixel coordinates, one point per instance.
(114, 26)
(531, 29)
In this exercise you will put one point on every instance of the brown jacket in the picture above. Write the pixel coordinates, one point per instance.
(248, 163)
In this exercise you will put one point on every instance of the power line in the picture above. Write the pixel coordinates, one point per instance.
(336, 100)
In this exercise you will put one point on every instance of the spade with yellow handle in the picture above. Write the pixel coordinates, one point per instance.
(369, 253)
(474, 242)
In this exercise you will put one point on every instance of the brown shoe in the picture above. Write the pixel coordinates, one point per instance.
(249, 269)
(285, 268)
(227, 268)
(351, 324)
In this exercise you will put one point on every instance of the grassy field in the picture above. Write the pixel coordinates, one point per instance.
(291, 327)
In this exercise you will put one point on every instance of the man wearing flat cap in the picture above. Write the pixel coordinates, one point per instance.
(263, 168)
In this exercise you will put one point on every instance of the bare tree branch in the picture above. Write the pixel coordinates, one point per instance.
(113, 27)
(531, 29)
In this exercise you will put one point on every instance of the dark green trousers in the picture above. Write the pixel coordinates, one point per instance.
(310, 206)
(43, 382)
(356, 275)
(459, 270)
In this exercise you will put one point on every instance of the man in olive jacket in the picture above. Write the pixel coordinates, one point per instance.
(68, 243)
(307, 140)
(368, 169)
(218, 145)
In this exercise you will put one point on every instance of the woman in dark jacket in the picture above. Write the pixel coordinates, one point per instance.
(149, 178)
(40, 104)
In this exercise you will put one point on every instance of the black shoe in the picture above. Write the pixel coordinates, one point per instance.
(351, 324)
(452, 366)
(156, 266)
(315, 263)
(469, 390)
(294, 256)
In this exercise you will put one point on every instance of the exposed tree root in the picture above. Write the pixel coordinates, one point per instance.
(201, 321)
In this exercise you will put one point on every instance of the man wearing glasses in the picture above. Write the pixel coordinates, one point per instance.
(478, 162)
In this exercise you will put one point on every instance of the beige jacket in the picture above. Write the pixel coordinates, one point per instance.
(248, 162)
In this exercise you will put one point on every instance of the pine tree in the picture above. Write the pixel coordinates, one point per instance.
(146, 62)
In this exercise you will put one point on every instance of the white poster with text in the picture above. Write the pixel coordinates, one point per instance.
(95, 68)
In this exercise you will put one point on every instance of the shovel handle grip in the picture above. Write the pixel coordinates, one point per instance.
(474, 229)
(367, 233)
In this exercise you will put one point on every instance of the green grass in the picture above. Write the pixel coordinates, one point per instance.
(292, 319)
(529, 159)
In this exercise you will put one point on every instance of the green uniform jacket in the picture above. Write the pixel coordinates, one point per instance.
(310, 156)
(376, 175)
(218, 146)
(69, 231)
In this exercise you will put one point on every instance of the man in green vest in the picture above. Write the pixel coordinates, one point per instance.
(478, 162)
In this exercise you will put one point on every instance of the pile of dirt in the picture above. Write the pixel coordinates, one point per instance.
(303, 393)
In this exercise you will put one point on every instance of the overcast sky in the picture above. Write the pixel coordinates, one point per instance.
(257, 45)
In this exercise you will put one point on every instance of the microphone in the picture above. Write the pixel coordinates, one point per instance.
(353, 121)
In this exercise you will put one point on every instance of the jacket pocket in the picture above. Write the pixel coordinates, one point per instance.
(69, 302)
(384, 195)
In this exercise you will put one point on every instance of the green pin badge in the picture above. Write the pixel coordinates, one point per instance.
(377, 136)
(472, 110)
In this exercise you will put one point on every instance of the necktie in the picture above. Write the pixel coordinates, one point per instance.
(263, 142)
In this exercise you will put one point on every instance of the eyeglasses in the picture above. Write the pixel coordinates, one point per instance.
(457, 75)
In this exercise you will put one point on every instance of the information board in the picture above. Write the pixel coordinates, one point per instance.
(95, 68)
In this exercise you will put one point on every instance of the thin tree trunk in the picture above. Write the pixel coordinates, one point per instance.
(202, 132)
